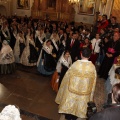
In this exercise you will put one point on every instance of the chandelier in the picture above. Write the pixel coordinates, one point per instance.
(74, 1)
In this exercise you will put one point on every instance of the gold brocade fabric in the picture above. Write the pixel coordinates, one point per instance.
(77, 89)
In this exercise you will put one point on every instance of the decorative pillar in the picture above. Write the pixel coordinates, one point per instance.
(108, 7)
(36, 5)
(116, 10)
(58, 5)
(65, 6)
(44, 5)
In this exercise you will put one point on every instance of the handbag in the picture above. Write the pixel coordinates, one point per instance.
(55, 81)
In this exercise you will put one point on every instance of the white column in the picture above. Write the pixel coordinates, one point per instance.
(108, 7)
(102, 8)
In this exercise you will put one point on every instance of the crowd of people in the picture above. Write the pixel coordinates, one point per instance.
(63, 50)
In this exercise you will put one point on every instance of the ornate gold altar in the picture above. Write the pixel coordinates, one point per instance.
(56, 10)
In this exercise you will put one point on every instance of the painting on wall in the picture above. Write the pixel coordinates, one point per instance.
(87, 7)
(23, 4)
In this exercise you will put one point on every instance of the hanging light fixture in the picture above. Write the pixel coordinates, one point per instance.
(74, 1)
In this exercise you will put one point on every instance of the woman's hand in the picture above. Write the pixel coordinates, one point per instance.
(84, 45)
(109, 55)
(54, 55)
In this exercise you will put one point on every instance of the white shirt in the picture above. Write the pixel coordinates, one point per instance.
(95, 45)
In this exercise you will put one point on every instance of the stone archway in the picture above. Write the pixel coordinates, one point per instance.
(3, 10)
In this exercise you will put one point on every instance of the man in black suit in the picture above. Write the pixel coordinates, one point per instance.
(61, 35)
(111, 111)
(73, 46)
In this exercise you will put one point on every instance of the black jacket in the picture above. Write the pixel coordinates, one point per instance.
(111, 112)
(74, 50)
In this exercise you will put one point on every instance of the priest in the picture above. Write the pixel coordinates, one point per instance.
(77, 88)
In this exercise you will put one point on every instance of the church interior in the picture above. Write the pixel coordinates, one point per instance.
(26, 88)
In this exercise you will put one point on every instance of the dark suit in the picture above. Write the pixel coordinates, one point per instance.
(112, 112)
(74, 49)
(61, 39)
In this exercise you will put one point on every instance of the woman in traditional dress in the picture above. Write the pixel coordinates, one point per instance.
(14, 32)
(19, 46)
(62, 45)
(5, 33)
(28, 33)
(55, 40)
(63, 64)
(29, 56)
(7, 61)
(46, 63)
(39, 39)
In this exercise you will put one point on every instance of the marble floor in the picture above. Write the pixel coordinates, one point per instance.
(33, 93)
